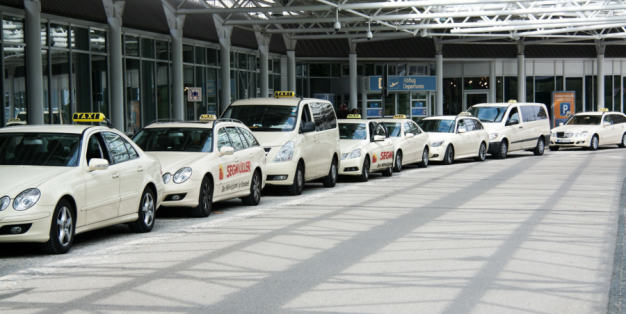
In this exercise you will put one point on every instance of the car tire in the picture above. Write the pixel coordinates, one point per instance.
(553, 148)
(540, 148)
(623, 143)
(503, 151)
(425, 158)
(147, 211)
(205, 199)
(255, 191)
(365, 171)
(62, 229)
(595, 141)
(448, 158)
(398, 162)
(298, 181)
(482, 152)
(388, 172)
(333, 173)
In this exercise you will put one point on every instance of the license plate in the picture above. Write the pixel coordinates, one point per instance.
(563, 141)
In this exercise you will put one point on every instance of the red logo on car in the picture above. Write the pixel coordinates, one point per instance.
(238, 168)
(386, 155)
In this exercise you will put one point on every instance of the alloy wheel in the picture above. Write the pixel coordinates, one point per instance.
(64, 226)
(256, 187)
(148, 209)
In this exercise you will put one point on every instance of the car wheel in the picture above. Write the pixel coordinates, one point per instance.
(553, 148)
(398, 164)
(255, 191)
(365, 171)
(448, 158)
(623, 143)
(541, 147)
(425, 157)
(62, 229)
(388, 172)
(298, 181)
(482, 152)
(331, 179)
(594, 143)
(147, 210)
(503, 151)
(205, 200)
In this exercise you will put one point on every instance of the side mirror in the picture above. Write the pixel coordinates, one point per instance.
(226, 150)
(308, 127)
(605, 124)
(512, 122)
(560, 123)
(379, 138)
(409, 135)
(98, 164)
(462, 130)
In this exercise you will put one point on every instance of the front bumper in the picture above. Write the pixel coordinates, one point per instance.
(281, 173)
(575, 142)
(494, 147)
(189, 190)
(39, 222)
(437, 153)
(351, 167)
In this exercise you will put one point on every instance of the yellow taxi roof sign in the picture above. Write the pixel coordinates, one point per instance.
(14, 120)
(512, 101)
(399, 116)
(278, 94)
(88, 117)
(207, 118)
(465, 114)
(603, 109)
(354, 116)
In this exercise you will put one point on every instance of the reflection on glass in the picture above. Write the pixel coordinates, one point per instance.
(163, 91)
(97, 39)
(60, 86)
(80, 81)
(58, 36)
(99, 84)
(80, 38)
(200, 55)
(12, 29)
(15, 83)
(161, 50)
(44, 34)
(132, 45)
(188, 82)
(147, 48)
(188, 53)
(147, 92)
(211, 56)
(133, 106)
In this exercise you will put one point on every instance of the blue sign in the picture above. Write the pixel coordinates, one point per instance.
(565, 108)
(211, 89)
(404, 83)
(418, 112)
(374, 112)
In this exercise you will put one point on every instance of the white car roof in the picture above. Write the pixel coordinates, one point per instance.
(48, 128)
(283, 101)
(447, 117)
(506, 104)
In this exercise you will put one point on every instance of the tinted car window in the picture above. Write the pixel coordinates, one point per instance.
(117, 147)
(513, 115)
(238, 143)
(540, 113)
(222, 139)
(469, 125)
(174, 139)
(584, 120)
(318, 116)
(329, 117)
(131, 151)
(461, 124)
(380, 130)
(528, 113)
(39, 149)
(437, 125)
(249, 137)
(395, 129)
(478, 125)
(352, 131)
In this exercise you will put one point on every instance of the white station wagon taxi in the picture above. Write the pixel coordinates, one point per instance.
(409, 141)
(590, 130)
(456, 137)
(206, 162)
(60, 180)
(365, 148)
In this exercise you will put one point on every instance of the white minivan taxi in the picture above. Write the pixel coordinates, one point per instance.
(299, 135)
(514, 126)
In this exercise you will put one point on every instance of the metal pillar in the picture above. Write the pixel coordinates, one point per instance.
(34, 69)
(493, 83)
(353, 80)
(114, 13)
(176, 23)
(263, 40)
(291, 70)
(364, 99)
(600, 78)
(521, 78)
(225, 71)
(439, 74)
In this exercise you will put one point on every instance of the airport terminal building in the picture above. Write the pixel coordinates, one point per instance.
(140, 60)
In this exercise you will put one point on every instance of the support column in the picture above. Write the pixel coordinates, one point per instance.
(34, 69)
(493, 83)
(291, 62)
(176, 23)
(600, 75)
(353, 76)
(439, 75)
(114, 11)
(224, 33)
(263, 40)
(521, 74)
(364, 99)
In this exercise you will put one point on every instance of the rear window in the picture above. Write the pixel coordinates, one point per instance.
(437, 125)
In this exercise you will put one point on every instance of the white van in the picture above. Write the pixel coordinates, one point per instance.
(300, 137)
(514, 126)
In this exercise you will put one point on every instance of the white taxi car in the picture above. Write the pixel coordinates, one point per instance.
(409, 141)
(456, 137)
(206, 162)
(299, 136)
(365, 148)
(60, 180)
(590, 130)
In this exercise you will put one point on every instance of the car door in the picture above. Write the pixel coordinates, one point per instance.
(515, 129)
(464, 142)
(323, 145)
(241, 171)
(411, 148)
(223, 186)
(421, 138)
(309, 145)
(102, 197)
(131, 170)
(620, 126)
(474, 137)
(608, 135)
(528, 132)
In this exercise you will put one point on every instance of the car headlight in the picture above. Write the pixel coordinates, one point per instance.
(285, 153)
(436, 144)
(167, 177)
(553, 134)
(354, 154)
(182, 175)
(26, 199)
(493, 136)
(4, 202)
(583, 134)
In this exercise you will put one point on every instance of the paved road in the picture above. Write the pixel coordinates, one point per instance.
(526, 234)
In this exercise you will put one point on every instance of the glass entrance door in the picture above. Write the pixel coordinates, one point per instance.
(475, 97)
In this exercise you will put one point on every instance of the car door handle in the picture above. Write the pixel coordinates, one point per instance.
(116, 175)
(521, 127)
(139, 169)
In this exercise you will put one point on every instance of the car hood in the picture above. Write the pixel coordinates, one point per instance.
(273, 139)
(573, 128)
(15, 179)
(492, 127)
(347, 146)
(173, 161)
(436, 136)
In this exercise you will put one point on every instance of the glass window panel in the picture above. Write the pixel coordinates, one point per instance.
(163, 91)
(80, 38)
(188, 82)
(235, 138)
(369, 70)
(345, 70)
(12, 29)
(277, 66)
(510, 88)
(15, 82)
(252, 62)
(60, 86)
(404, 104)
(359, 70)
(58, 36)
(452, 96)
(320, 85)
(148, 92)
(44, 34)
(390, 105)
(320, 69)
(117, 147)
(161, 50)
(132, 45)
(211, 56)
(147, 48)
(608, 92)
(200, 55)
(99, 84)
(499, 89)
(233, 60)
(97, 39)
(402, 71)
(81, 82)
(616, 93)
(211, 91)
(200, 106)
(277, 82)
(46, 101)
(379, 70)
(575, 84)
(188, 54)
(133, 104)
(472, 83)
(530, 95)
(298, 69)
(559, 84)
(243, 61)
(334, 70)
(590, 93)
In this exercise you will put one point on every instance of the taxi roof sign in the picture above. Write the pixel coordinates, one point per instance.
(354, 116)
(603, 109)
(399, 116)
(88, 117)
(14, 120)
(207, 118)
(512, 101)
(278, 94)
(465, 114)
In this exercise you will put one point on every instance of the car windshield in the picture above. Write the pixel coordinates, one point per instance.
(264, 117)
(352, 131)
(488, 114)
(437, 125)
(39, 149)
(175, 140)
(394, 128)
(585, 120)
